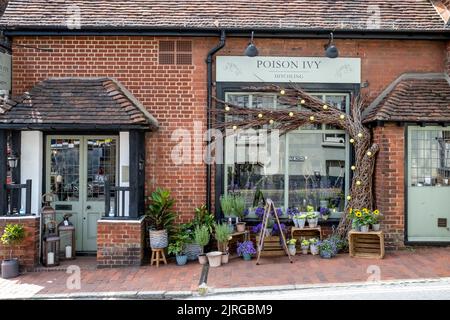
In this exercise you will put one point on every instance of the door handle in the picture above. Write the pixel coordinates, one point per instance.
(88, 208)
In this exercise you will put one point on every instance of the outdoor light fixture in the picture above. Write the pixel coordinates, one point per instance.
(251, 50)
(330, 49)
(12, 161)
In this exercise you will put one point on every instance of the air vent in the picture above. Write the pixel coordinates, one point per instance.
(442, 222)
(175, 52)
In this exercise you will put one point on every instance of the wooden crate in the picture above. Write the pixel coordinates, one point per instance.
(305, 233)
(272, 246)
(366, 244)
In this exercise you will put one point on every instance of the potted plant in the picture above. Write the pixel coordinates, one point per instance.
(239, 210)
(312, 218)
(365, 220)
(246, 250)
(324, 213)
(326, 248)
(227, 205)
(292, 214)
(13, 235)
(176, 248)
(201, 236)
(291, 246)
(305, 246)
(161, 216)
(201, 218)
(301, 220)
(222, 236)
(313, 246)
(376, 217)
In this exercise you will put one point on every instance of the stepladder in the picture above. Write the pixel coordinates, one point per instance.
(269, 211)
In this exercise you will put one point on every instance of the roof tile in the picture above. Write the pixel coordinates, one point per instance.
(231, 14)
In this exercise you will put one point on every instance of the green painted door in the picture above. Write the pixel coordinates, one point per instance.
(428, 184)
(77, 169)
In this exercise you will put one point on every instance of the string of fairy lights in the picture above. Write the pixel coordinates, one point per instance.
(312, 118)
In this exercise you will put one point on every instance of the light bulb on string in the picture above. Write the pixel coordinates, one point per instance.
(311, 118)
(291, 114)
(227, 108)
(353, 168)
(325, 107)
(282, 92)
(352, 140)
(342, 117)
(260, 115)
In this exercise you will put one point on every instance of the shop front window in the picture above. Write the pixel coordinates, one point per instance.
(311, 168)
(430, 157)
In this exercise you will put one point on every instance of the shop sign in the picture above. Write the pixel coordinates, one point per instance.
(288, 69)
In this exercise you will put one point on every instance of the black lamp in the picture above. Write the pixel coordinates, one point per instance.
(251, 50)
(331, 50)
(12, 161)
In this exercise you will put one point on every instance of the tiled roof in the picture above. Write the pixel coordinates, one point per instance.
(77, 101)
(231, 14)
(413, 98)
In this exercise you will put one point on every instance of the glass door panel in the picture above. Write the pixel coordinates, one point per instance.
(63, 179)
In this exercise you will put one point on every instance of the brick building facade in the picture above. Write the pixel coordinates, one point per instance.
(176, 93)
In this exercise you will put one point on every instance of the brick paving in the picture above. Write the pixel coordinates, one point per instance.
(397, 265)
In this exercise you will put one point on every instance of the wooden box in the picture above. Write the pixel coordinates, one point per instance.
(272, 246)
(305, 233)
(366, 244)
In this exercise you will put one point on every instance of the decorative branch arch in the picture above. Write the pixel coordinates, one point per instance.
(313, 111)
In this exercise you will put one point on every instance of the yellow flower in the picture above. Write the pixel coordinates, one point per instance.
(365, 210)
(358, 214)
(350, 210)
(376, 212)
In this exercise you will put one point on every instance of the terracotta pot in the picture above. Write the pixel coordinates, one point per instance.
(202, 259)
(225, 257)
(240, 227)
(214, 259)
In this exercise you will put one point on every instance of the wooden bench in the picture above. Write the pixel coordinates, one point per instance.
(366, 244)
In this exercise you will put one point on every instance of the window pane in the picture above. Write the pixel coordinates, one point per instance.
(64, 169)
(101, 167)
(430, 157)
(316, 173)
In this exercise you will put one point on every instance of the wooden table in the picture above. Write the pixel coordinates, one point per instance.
(366, 244)
(245, 233)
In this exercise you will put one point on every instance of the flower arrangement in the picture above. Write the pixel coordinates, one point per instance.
(365, 217)
(313, 246)
(309, 208)
(312, 215)
(305, 243)
(292, 242)
(246, 250)
(324, 213)
(292, 212)
(327, 248)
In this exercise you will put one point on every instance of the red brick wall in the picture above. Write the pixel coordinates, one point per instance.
(389, 181)
(448, 58)
(28, 250)
(176, 95)
(120, 243)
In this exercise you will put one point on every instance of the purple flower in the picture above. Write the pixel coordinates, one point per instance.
(246, 212)
(292, 212)
(324, 211)
(276, 229)
(259, 212)
(245, 247)
(257, 228)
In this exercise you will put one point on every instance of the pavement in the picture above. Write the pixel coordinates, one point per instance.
(80, 279)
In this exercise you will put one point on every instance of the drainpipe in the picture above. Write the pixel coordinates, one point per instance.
(209, 85)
